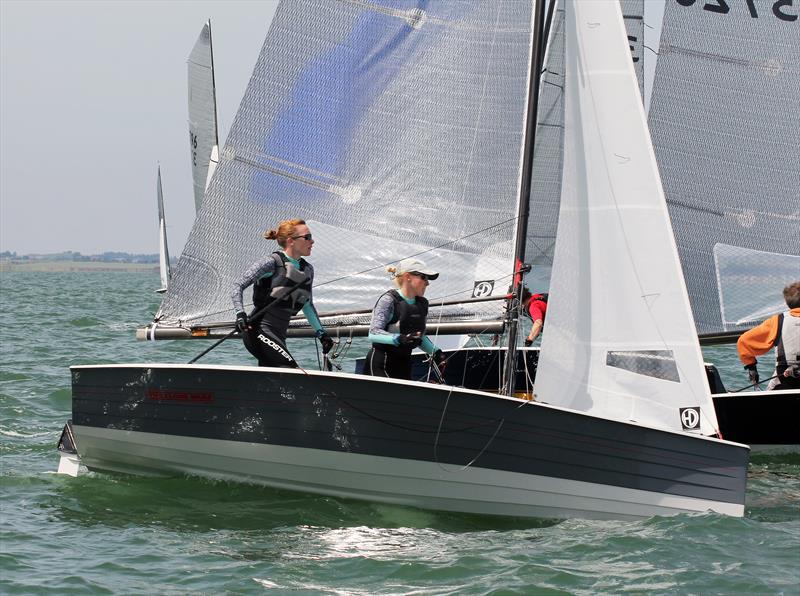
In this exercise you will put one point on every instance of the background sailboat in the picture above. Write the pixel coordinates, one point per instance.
(726, 141)
(203, 136)
(726, 144)
(163, 249)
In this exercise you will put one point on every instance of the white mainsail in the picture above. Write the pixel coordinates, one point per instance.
(620, 340)
(163, 251)
(413, 150)
(203, 136)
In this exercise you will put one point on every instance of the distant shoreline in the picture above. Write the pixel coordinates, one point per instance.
(10, 266)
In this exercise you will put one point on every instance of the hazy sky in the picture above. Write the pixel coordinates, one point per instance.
(93, 97)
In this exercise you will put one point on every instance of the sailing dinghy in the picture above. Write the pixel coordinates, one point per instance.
(398, 131)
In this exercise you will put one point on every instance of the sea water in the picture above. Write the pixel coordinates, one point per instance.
(116, 534)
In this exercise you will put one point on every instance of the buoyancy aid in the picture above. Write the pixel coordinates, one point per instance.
(288, 285)
(787, 347)
(411, 318)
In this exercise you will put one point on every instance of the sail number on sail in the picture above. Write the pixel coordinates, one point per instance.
(193, 145)
(779, 8)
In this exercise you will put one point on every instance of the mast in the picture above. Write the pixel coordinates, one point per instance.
(512, 315)
(213, 84)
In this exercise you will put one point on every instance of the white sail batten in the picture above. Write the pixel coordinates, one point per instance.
(203, 137)
(392, 133)
(163, 250)
(620, 340)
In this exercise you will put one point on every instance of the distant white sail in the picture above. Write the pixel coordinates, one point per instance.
(203, 137)
(163, 251)
(620, 340)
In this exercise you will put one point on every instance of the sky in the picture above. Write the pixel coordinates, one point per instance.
(93, 96)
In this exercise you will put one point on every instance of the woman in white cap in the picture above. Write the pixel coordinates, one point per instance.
(390, 355)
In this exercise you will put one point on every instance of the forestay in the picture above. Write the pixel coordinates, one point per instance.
(203, 139)
(393, 130)
(620, 340)
(725, 122)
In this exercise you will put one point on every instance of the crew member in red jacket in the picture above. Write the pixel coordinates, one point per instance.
(781, 331)
(535, 307)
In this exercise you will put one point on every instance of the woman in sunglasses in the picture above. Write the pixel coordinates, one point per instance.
(390, 355)
(281, 288)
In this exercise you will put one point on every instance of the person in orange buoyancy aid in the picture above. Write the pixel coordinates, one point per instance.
(535, 308)
(781, 331)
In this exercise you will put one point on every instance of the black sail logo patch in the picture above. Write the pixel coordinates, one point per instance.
(690, 418)
(482, 288)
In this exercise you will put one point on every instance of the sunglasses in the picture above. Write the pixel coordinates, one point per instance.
(304, 237)
(422, 276)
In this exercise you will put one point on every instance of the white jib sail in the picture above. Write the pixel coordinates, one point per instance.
(163, 251)
(203, 137)
(619, 341)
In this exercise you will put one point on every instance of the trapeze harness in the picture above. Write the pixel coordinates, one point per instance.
(787, 353)
(287, 290)
(385, 360)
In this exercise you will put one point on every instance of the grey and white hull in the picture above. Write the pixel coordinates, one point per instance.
(390, 441)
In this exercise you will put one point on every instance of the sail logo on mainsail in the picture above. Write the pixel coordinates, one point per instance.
(483, 288)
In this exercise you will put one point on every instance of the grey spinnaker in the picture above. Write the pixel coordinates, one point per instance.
(724, 123)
